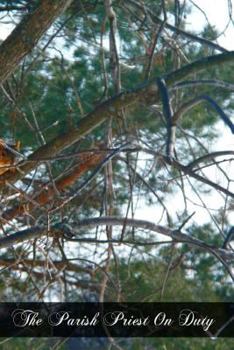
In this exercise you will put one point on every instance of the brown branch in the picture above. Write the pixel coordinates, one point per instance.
(146, 93)
(26, 35)
(15, 264)
(88, 161)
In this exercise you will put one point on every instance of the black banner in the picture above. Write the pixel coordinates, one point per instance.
(117, 320)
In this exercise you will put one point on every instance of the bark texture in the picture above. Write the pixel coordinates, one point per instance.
(26, 35)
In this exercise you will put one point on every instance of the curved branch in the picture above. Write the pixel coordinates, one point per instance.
(212, 82)
(209, 156)
(190, 104)
(197, 66)
(68, 232)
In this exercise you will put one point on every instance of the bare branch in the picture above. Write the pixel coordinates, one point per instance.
(67, 231)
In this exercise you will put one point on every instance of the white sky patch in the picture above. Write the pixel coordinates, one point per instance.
(217, 13)
(5, 30)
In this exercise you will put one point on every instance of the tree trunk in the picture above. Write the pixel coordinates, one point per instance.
(26, 35)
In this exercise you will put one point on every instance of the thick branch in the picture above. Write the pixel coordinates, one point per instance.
(26, 35)
(67, 231)
(146, 93)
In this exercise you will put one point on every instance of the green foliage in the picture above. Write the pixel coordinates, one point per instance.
(59, 83)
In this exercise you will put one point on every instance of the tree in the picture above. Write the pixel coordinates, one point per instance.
(113, 106)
